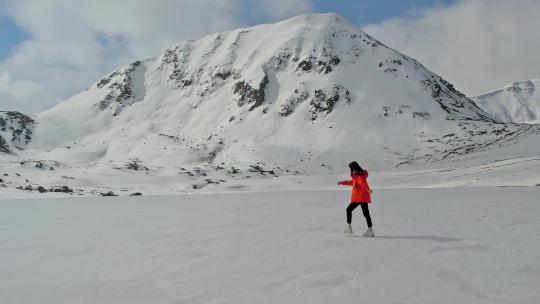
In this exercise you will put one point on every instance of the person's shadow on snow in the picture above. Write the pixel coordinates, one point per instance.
(434, 238)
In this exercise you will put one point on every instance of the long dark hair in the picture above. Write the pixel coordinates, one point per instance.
(355, 168)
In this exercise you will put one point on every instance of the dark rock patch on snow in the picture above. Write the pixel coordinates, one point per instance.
(323, 102)
(110, 193)
(298, 97)
(16, 128)
(247, 94)
(4, 148)
(120, 85)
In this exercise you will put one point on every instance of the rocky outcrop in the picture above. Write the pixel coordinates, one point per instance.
(408, 110)
(390, 65)
(455, 103)
(321, 64)
(245, 93)
(16, 130)
(120, 85)
(4, 148)
(290, 104)
(178, 78)
(323, 102)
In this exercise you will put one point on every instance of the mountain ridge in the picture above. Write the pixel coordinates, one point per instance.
(517, 102)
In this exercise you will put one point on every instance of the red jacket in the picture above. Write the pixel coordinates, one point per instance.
(361, 193)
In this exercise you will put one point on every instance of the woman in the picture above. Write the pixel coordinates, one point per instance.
(361, 196)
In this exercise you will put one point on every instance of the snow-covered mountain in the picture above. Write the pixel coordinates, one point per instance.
(517, 102)
(310, 87)
(305, 95)
(15, 131)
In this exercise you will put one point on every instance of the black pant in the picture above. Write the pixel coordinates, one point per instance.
(365, 210)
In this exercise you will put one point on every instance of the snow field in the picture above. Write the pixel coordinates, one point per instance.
(458, 245)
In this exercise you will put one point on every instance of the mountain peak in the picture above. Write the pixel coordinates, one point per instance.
(517, 102)
(317, 18)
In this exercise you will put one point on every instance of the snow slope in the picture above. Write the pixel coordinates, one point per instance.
(518, 102)
(460, 245)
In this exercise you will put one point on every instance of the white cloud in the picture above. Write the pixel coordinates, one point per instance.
(479, 45)
(73, 43)
(22, 90)
(277, 9)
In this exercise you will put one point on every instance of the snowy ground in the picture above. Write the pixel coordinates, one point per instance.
(480, 169)
(454, 245)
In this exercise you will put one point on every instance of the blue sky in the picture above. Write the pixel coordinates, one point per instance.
(10, 35)
(360, 12)
(363, 12)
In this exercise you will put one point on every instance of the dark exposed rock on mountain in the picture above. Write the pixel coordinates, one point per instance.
(4, 148)
(247, 94)
(16, 130)
(120, 86)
